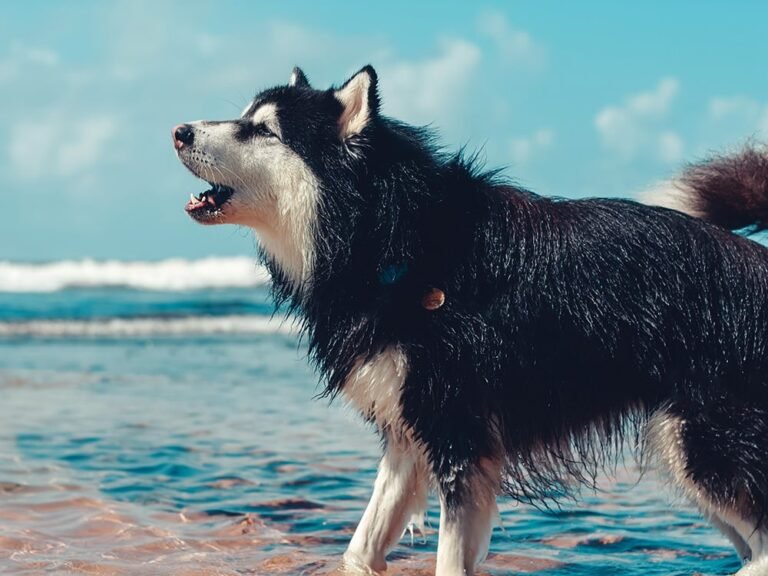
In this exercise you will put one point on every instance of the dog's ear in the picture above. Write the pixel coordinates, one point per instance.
(298, 79)
(359, 99)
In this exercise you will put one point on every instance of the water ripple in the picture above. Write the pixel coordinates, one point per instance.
(175, 458)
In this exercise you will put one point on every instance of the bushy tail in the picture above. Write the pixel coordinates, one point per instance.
(730, 191)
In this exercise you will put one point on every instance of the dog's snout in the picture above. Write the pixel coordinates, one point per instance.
(183, 135)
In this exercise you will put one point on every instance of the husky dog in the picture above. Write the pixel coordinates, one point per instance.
(499, 341)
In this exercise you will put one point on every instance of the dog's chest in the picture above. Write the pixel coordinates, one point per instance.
(374, 387)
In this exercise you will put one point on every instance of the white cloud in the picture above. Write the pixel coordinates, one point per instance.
(670, 147)
(515, 46)
(428, 90)
(294, 40)
(21, 56)
(290, 44)
(523, 149)
(31, 148)
(740, 109)
(42, 56)
(723, 107)
(207, 44)
(633, 128)
(9, 68)
(656, 102)
(84, 149)
(58, 147)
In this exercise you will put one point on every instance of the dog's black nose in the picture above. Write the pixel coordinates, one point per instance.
(183, 135)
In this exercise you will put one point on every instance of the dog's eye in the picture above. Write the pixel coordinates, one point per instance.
(262, 130)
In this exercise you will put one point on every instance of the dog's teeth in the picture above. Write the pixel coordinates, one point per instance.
(192, 196)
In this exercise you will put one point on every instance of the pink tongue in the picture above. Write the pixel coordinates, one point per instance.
(194, 205)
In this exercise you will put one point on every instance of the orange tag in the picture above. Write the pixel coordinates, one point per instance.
(433, 299)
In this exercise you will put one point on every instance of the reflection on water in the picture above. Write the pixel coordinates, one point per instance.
(209, 456)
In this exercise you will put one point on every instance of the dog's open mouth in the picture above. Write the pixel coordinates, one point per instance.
(207, 206)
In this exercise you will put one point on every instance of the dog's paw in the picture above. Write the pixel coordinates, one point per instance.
(351, 565)
(757, 567)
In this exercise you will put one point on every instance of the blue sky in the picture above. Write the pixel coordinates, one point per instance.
(575, 98)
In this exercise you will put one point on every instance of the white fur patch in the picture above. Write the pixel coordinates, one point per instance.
(374, 388)
(267, 114)
(671, 194)
(289, 237)
(665, 441)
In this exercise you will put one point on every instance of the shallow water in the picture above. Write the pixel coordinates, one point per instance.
(207, 454)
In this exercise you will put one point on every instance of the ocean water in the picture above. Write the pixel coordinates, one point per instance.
(155, 418)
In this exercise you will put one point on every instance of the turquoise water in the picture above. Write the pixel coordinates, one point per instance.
(140, 436)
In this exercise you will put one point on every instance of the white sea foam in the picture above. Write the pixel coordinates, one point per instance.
(174, 274)
(144, 327)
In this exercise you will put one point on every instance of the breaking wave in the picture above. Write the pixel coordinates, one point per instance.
(145, 327)
(165, 275)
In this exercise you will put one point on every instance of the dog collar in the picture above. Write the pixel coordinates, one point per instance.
(432, 299)
(392, 274)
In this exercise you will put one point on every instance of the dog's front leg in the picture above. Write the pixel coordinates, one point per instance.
(467, 513)
(400, 491)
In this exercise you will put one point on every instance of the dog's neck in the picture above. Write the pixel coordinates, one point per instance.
(286, 231)
(290, 258)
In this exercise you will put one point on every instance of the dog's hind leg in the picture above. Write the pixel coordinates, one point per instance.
(718, 454)
(742, 548)
(467, 513)
(400, 492)
(756, 537)
(756, 568)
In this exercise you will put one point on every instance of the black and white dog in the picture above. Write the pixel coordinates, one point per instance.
(502, 342)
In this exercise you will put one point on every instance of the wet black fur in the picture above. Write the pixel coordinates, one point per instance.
(567, 322)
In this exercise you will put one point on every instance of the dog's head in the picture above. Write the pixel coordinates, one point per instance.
(266, 169)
